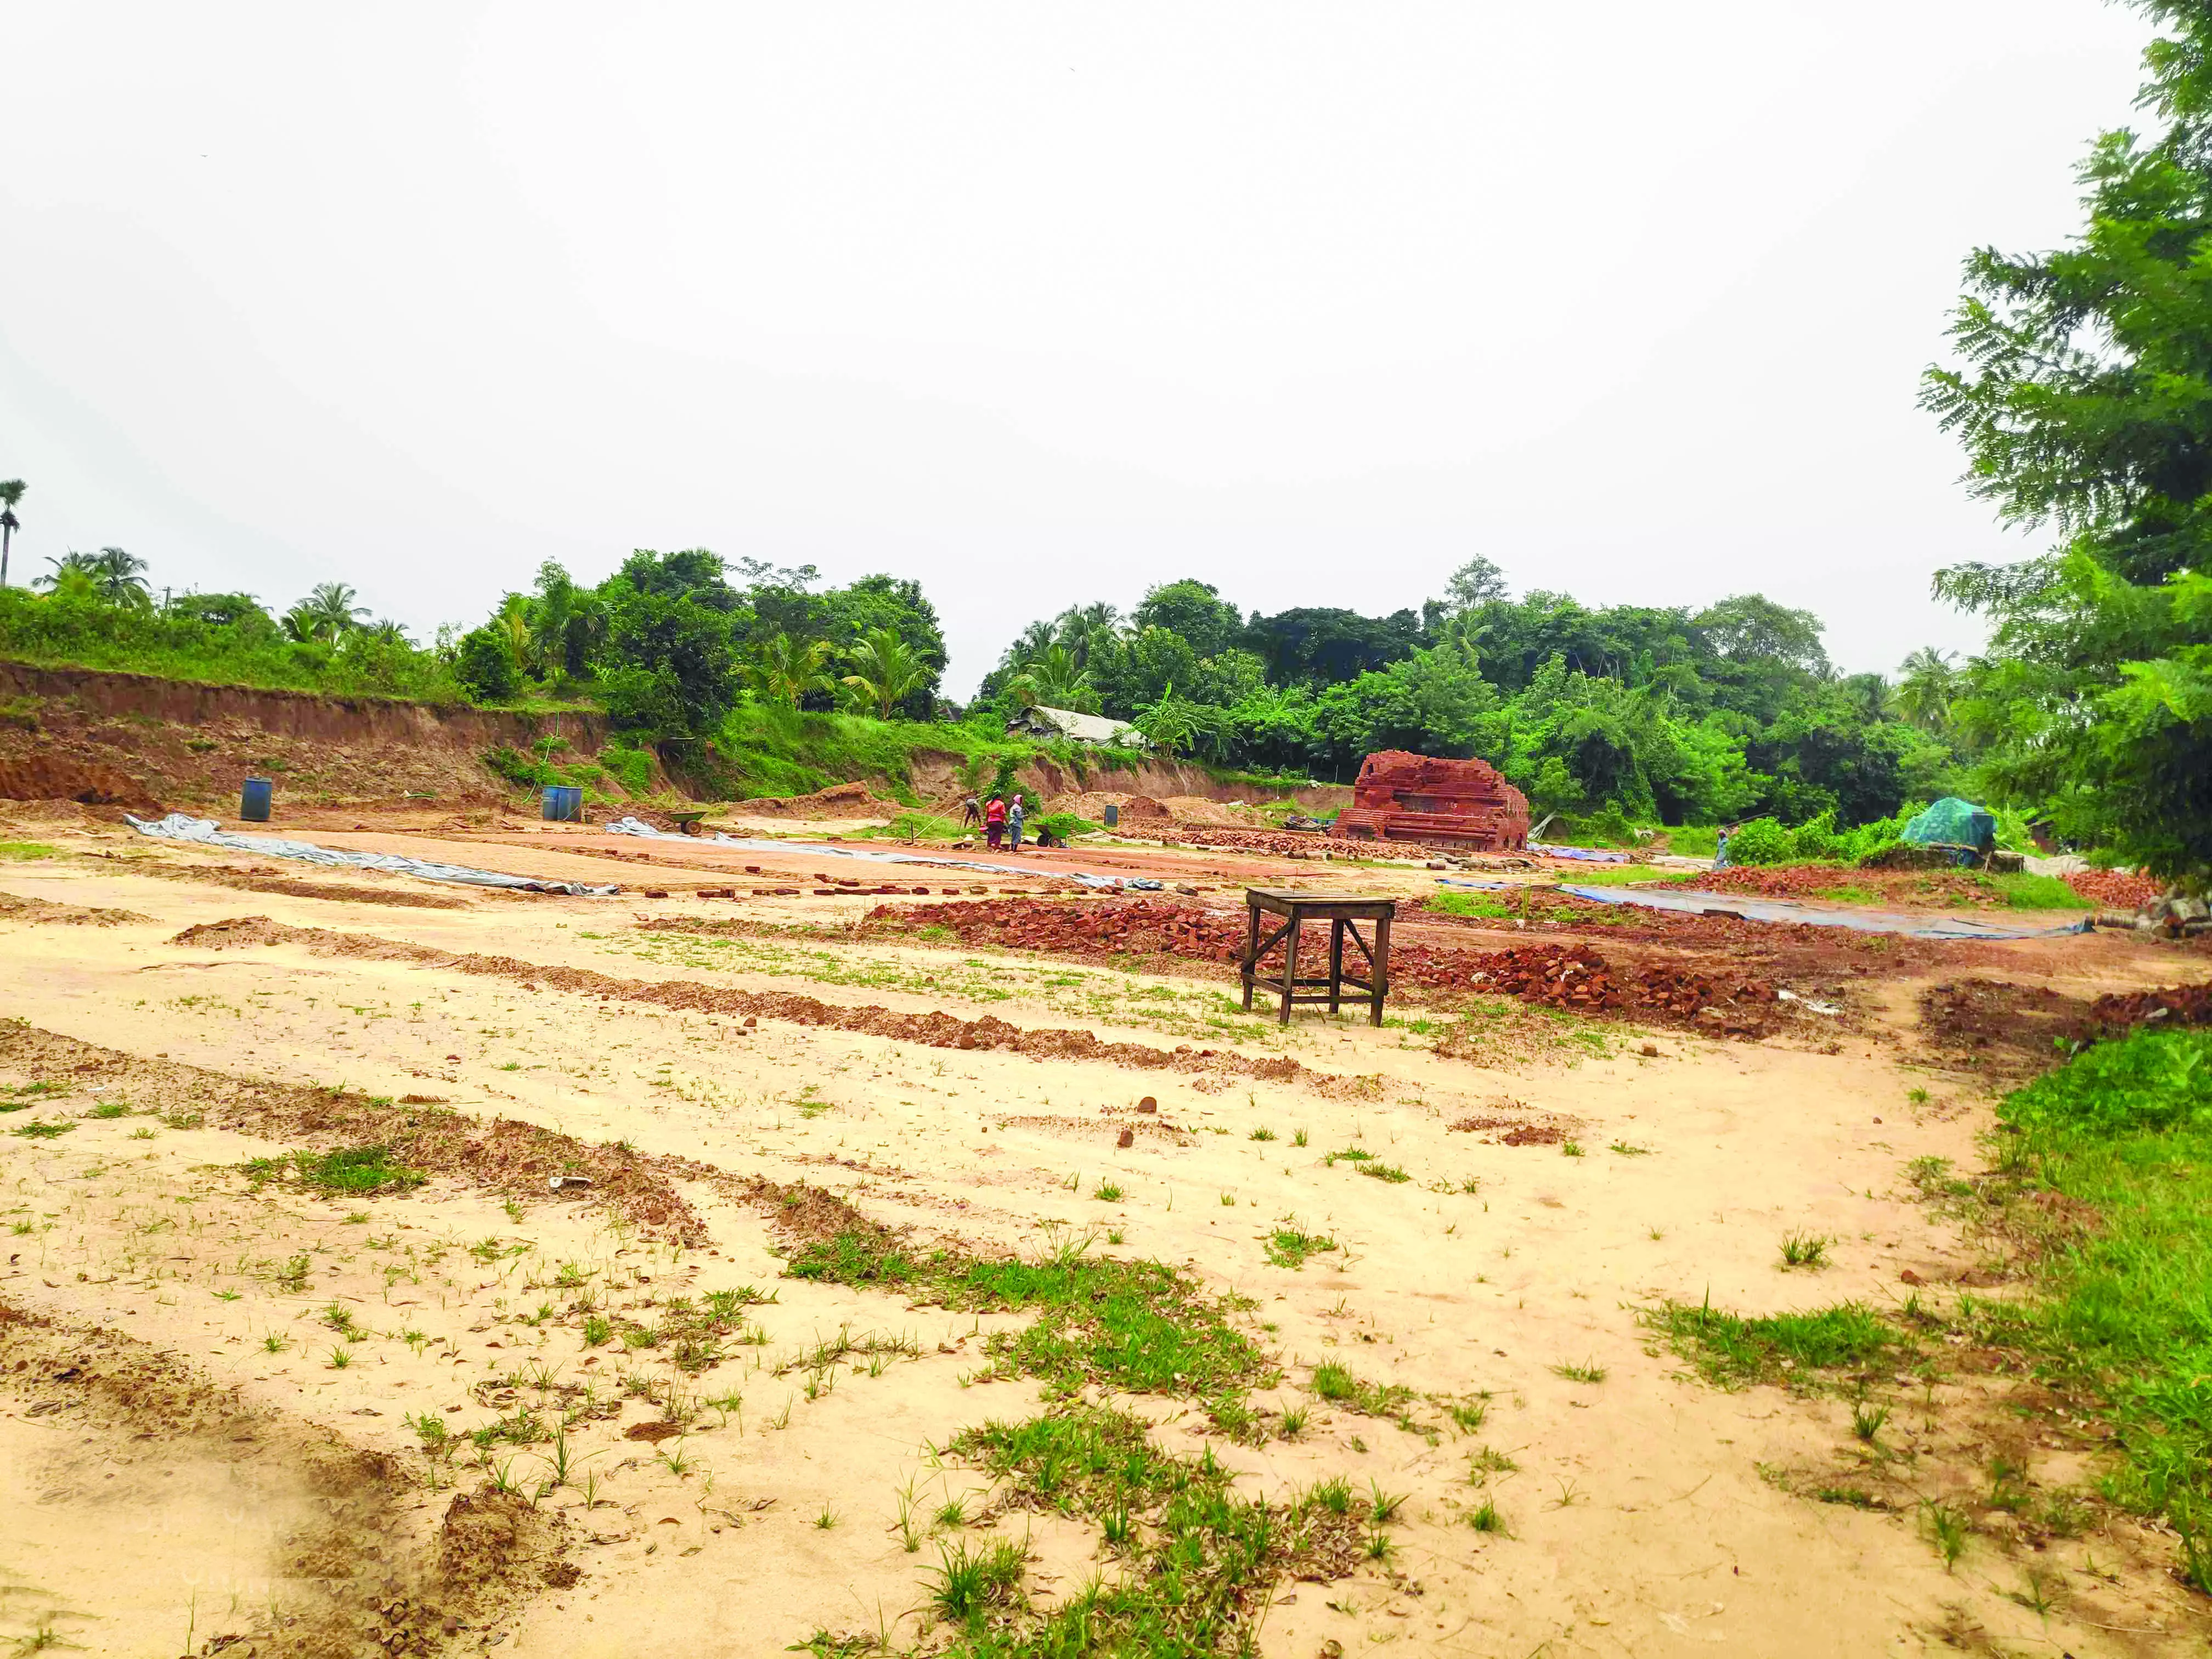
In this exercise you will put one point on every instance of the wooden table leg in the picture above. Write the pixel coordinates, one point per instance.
(1335, 965)
(1290, 965)
(1251, 951)
(1378, 970)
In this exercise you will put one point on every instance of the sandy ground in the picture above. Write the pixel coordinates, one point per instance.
(1645, 1512)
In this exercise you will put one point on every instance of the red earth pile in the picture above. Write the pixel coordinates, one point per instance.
(2177, 1004)
(1573, 977)
(2114, 888)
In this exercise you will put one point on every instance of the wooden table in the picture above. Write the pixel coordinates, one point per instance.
(1343, 912)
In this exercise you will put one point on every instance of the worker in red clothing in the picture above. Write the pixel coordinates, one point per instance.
(995, 821)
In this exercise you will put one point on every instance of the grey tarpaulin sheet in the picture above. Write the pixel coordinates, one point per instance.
(761, 844)
(1587, 855)
(206, 832)
(1784, 910)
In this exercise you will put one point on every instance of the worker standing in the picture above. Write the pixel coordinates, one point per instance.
(1014, 822)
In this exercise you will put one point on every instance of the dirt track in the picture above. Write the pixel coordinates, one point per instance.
(738, 1075)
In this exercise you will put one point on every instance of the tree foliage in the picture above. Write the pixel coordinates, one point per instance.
(2082, 394)
(1683, 714)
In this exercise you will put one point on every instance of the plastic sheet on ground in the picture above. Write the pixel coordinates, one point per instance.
(206, 832)
(873, 855)
(1587, 855)
(1481, 886)
(1692, 902)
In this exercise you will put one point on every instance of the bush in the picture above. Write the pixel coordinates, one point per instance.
(212, 643)
(630, 767)
(1761, 842)
(485, 666)
(2151, 1080)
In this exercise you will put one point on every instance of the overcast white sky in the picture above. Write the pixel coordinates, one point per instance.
(1038, 303)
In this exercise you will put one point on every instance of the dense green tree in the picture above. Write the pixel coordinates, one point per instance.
(1321, 647)
(670, 669)
(694, 574)
(1193, 608)
(2083, 398)
(484, 665)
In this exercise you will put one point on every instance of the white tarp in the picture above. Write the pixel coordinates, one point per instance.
(206, 832)
(873, 855)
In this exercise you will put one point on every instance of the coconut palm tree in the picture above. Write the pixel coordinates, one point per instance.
(1056, 681)
(122, 577)
(1083, 629)
(72, 582)
(885, 670)
(329, 611)
(783, 669)
(511, 622)
(80, 563)
(1926, 681)
(11, 491)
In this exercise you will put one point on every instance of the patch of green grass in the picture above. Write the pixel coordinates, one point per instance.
(1589, 1371)
(108, 1109)
(1732, 1352)
(24, 851)
(1136, 1326)
(2023, 892)
(1286, 1247)
(1198, 1559)
(36, 1131)
(355, 1169)
(2108, 1175)
(1804, 1250)
(1339, 1387)
(1389, 1172)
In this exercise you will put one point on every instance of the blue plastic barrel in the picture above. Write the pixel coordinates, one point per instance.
(562, 804)
(253, 801)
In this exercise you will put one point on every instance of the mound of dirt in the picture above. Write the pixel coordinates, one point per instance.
(1092, 803)
(937, 1028)
(840, 800)
(46, 913)
(44, 777)
(1197, 809)
(1572, 977)
(2018, 1029)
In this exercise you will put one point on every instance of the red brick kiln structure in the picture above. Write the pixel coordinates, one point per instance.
(1404, 797)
